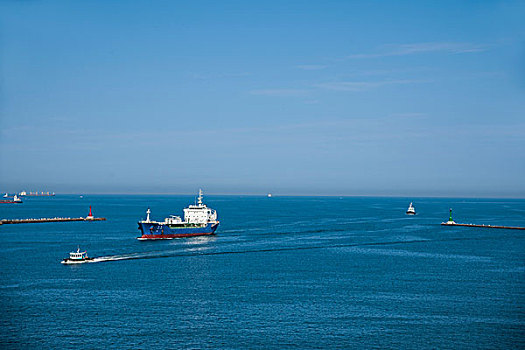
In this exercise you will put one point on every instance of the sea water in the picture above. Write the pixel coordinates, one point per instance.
(281, 272)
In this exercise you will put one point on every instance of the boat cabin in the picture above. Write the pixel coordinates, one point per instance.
(78, 255)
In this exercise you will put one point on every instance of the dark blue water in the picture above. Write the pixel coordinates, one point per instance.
(282, 272)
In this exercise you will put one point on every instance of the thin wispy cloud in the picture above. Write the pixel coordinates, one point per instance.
(280, 92)
(351, 86)
(364, 85)
(214, 76)
(311, 66)
(417, 48)
(408, 115)
(311, 102)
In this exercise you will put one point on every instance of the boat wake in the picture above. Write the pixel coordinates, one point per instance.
(131, 256)
(206, 252)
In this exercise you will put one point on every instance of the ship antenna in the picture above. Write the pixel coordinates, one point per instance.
(200, 196)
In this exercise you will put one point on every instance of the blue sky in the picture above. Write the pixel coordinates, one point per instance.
(296, 97)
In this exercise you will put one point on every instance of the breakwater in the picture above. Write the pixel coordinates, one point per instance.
(42, 220)
(484, 226)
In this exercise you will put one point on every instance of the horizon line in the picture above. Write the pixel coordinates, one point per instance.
(284, 195)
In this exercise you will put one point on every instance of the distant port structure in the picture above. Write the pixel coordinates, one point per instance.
(90, 217)
(451, 222)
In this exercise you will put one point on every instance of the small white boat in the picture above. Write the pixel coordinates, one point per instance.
(269, 195)
(411, 210)
(6, 195)
(16, 199)
(77, 257)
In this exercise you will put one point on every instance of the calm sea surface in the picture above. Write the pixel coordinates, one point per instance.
(282, 272)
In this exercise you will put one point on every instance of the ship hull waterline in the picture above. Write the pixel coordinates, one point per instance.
(154, 231)
(75, 262)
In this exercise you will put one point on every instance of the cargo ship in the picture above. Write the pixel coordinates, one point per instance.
(15, 200)
(199, 220)
(37, 194)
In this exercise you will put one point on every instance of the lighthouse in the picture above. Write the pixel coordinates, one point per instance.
(90, 216)
(450, 221)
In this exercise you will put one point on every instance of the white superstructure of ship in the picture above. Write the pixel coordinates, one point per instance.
(411, 210)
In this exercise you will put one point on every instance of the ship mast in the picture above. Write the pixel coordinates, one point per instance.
(200, 197)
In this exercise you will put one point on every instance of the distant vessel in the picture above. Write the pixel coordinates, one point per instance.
(6, 195)
(199, 220)
(37, 194)
(411, 210)
(269, 195)
(77, 257)
(15, 200)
